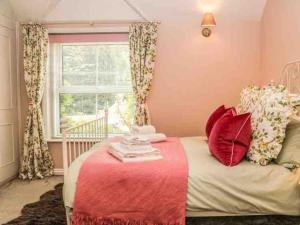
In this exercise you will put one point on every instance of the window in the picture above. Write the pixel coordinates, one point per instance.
(86, 77)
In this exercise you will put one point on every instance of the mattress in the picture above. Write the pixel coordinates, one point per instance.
(214, 189)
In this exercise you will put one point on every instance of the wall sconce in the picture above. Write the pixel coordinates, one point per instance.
(208, 22)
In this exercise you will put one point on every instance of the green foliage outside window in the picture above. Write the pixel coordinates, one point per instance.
(97, 65)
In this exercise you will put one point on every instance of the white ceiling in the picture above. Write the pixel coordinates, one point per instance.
(68, 10)
(91, 10)
(228, 9)
(33, 10)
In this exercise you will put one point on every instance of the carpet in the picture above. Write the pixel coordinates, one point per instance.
(49, 210)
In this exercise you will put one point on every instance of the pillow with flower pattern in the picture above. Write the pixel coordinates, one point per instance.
(271, 107)
(249, 97)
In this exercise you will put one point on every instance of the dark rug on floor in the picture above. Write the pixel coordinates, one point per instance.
(50, 211)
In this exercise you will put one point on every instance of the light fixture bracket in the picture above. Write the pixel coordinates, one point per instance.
(206, 32)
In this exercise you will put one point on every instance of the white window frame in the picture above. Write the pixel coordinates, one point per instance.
(54, 87)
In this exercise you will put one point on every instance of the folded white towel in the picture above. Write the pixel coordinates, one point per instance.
(131, 147)
(133, 155)
(144, 138)
(146, 129)
(157, 137)
(131, 151)
(134, 140)
(144, 158)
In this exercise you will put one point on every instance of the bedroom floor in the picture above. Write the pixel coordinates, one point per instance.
(17, 193)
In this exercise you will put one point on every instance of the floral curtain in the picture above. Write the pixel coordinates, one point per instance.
(36, 159)
(142, 42)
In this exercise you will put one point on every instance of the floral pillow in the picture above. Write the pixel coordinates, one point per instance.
(271, 107)
(249, 98)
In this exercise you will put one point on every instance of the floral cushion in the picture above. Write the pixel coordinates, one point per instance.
(271, 107)
(249, 98)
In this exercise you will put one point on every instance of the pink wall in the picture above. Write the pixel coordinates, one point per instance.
(195, 74)
(280, 36)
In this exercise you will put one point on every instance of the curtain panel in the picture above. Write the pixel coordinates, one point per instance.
(36, 159)
(142, 44)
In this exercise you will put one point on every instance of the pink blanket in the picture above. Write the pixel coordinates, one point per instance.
(143, 193)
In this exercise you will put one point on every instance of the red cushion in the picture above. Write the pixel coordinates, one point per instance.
(217, 114)
(230, 138)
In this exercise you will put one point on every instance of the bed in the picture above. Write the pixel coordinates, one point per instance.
(213, 189)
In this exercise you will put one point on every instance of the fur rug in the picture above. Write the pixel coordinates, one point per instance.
(50, 211)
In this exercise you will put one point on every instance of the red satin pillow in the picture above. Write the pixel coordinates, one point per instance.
(230, 138)
(217, 114)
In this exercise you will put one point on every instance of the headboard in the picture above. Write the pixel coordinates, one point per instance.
(290, 77)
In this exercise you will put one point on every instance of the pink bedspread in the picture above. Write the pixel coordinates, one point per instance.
(141, 193)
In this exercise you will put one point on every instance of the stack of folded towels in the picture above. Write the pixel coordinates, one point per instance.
(136, 146)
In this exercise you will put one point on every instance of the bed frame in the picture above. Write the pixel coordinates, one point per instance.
(290, 77)
(79, 139)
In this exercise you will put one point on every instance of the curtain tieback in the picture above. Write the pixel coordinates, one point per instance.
(142, 105)
(32, 104)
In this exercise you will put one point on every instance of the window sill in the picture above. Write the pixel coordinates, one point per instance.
(53, 140)
(59, 139)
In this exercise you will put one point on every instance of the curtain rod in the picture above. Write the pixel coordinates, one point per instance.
(88, 23)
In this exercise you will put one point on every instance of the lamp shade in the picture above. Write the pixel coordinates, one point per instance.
(208, 20)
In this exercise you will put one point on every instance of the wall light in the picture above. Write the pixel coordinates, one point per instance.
(208, 22)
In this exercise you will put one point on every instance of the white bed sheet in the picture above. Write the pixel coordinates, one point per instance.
(214, 189)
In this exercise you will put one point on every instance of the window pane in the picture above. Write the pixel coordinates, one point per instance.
(76, 109)
(121, 111)
(79, 108)
(96, 65)
(113, 65)
(79, 65)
